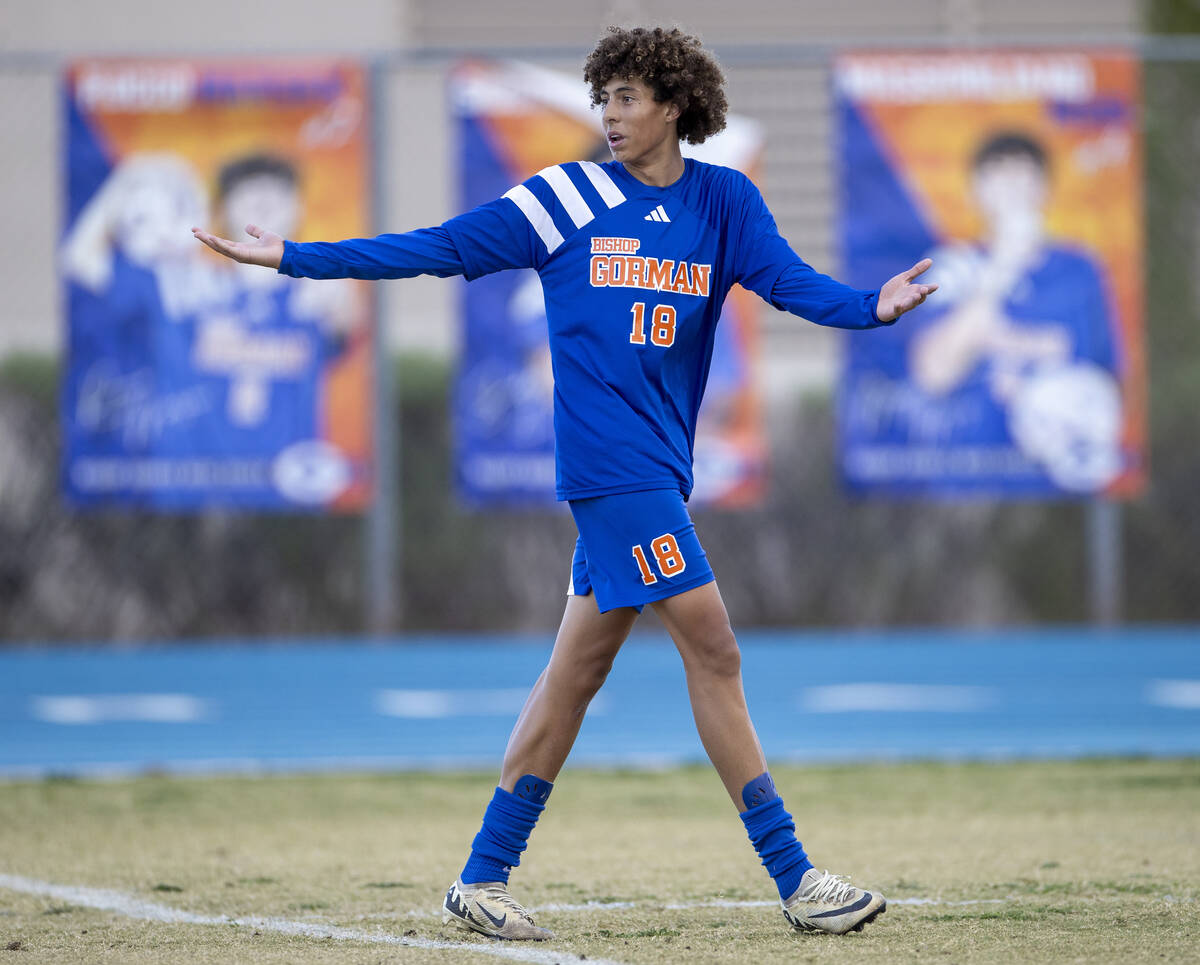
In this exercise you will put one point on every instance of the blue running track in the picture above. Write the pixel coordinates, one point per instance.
(450, 701)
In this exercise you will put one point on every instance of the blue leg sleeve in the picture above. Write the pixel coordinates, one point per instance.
(773, 834)
(507, 824)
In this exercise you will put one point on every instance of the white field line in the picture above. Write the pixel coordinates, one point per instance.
(692, 905)
(133, 907)
(722, 903)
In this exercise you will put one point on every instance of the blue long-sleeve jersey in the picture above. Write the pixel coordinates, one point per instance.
(634, 279)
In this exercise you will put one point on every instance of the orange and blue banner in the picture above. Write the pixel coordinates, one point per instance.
(514, 119)
(192, 381)
(1019, 173)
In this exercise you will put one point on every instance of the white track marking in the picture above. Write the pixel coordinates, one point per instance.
(463, 702)
(103, 708)
(853, 698)
(133, 907)
(1176, 694)
(438, 704)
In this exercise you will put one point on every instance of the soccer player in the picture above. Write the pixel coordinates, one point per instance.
(1023, 340)
(636, 257)
(1023, 300)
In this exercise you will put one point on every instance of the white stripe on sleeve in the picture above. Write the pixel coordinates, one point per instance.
(538, 216)
(567, 194)
(603, 183)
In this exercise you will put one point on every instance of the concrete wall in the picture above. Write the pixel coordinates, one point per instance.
(72, 28)
(570, 23)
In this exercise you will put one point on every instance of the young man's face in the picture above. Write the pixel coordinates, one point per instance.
(266, 200)
(635, 125)
(1010, 187)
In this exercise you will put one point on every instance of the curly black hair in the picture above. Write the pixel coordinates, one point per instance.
(673, 65)
(1010, 144)
(248, 166)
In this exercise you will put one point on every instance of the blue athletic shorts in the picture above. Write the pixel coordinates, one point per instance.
(635, 548)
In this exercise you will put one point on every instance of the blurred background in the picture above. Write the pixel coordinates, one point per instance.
(338, 478)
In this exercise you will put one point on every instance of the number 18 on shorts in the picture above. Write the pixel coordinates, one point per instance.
(667, 557)
(635, 548)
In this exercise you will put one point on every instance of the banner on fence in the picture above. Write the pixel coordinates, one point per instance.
(1019, 174)
(192, 381)
(513, 120)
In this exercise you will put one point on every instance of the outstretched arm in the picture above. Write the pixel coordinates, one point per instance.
(765, 263)
(807, 293)
(486, 239)
(901, 293)
(426, 251)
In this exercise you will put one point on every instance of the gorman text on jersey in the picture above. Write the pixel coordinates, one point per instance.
(637, 271)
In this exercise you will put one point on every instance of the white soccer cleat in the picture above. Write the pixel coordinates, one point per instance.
(829, 903)
(489, 909)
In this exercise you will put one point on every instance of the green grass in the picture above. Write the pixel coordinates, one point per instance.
(1062, 862)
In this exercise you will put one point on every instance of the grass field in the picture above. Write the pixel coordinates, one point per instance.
(1039, 862)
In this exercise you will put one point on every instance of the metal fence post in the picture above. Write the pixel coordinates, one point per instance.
(1105, 576)
(380, 564)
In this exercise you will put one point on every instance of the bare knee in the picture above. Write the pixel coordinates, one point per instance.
(584, 674)
(593, 672)
(699, 625)
(712, 653)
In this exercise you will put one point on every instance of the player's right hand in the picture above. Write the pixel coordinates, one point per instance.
(266, 250)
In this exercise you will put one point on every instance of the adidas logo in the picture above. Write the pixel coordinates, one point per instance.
(658, 214)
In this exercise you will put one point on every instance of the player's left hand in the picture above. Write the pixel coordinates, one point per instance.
(901, 294)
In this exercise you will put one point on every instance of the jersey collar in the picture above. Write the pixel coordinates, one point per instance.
(640, 189)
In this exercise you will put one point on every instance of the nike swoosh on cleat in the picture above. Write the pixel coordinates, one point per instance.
(498, 922)
(861, 903)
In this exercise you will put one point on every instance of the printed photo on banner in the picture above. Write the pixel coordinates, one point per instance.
(513, 120)
(1019, 175)
(192, 381)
